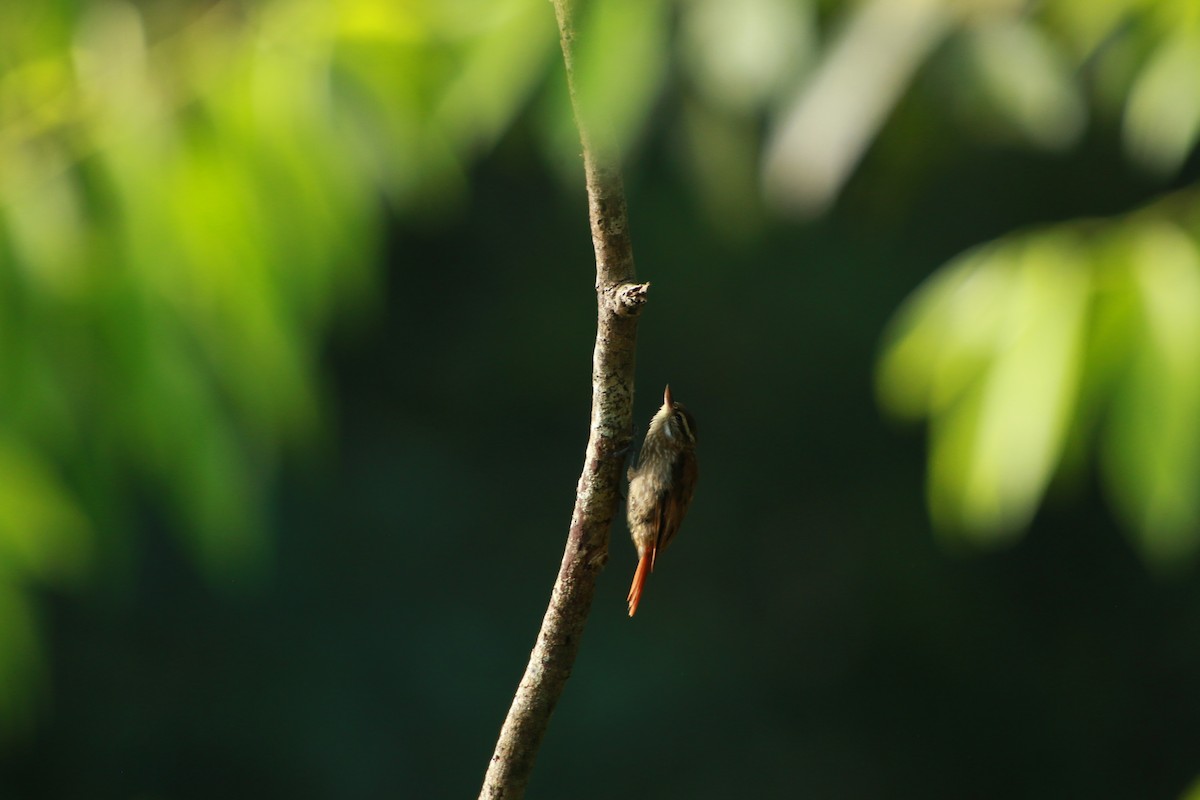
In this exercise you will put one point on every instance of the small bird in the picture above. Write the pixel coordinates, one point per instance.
(660, 487)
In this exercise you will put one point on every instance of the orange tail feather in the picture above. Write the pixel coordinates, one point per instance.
(644, 567)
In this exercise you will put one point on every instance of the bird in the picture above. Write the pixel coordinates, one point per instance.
(661, 486)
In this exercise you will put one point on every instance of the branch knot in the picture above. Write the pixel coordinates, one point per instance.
(627, 299)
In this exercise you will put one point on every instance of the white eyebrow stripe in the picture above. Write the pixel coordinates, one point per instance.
(683, 423)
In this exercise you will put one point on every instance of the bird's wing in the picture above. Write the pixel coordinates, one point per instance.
(670, 514)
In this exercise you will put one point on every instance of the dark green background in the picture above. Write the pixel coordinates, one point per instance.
(807, 636)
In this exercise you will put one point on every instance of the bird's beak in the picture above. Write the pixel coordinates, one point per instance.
(667, 396)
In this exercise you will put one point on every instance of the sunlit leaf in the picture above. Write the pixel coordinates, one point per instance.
(993, 453)
(1162, 117)
(1110, 337)
(1020, 352)
(946, 333)
(1026, 82)
(45, 222)
(1152, 442)
(42, 530)
(824, 130)
(741, 54)
(499, 71)
(381, 20)
(1084, 24)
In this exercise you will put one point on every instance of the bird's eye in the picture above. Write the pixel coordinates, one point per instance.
(681, 423)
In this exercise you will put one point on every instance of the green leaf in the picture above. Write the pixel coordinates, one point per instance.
(944, 335)
(1152, 440)
(42, 531)
(1162, 115)
(994, 452)
(498, 72)
(1026, 82)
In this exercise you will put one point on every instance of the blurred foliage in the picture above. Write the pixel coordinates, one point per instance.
(1027, 347)
(188, 195)
(1028, 352)
(192, 192)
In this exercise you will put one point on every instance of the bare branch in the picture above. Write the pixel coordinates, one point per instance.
(619, 302)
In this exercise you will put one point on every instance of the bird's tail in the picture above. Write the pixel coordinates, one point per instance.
(644, 567)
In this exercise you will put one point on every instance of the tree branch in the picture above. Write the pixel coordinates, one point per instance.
(619, 301)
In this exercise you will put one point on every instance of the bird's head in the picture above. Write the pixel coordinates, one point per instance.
(675, 422)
